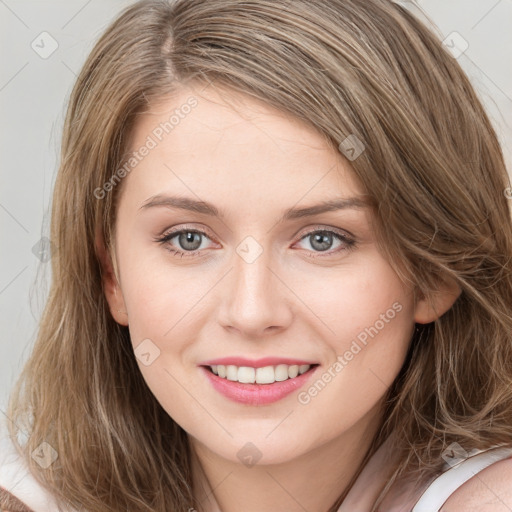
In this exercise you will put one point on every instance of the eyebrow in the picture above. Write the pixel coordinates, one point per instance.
(185, 203)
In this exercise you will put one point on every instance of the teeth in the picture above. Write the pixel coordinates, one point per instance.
(265, 375)
(281, 372)
(293, 371)
(303, 368)
(231, 372)
(246, 374)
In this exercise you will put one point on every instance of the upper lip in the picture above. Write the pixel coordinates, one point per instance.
(255, 363)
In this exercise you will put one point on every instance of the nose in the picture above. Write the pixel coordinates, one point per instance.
(255, 299)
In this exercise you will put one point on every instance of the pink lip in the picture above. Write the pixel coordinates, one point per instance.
(257, 394)
(255, 363)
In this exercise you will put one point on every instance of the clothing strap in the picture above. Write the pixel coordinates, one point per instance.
(16, 479)
(448, 482)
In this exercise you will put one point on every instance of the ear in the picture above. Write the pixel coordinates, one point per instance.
(111, 286)
(441, 300)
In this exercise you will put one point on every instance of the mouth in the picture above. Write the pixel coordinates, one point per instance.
(259, 386)
(262, 375)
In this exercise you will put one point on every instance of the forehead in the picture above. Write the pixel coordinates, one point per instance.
(224, 144)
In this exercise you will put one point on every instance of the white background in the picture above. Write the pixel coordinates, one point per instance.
(33, 93)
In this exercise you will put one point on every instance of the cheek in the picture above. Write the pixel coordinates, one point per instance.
(163, 318)
(157, 294)
(368, 320)
(358, 302)
(172, 294)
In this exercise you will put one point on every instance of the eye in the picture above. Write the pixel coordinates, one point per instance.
(322, 240)
(188, 241)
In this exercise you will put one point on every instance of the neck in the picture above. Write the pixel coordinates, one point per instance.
(312, 481)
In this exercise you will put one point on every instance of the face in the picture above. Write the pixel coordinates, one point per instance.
(224, 259)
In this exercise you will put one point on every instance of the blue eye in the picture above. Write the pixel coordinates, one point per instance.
(188, 239)
(189, 242)
(323, 240)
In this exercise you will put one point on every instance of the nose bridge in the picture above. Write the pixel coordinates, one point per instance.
(255, 300)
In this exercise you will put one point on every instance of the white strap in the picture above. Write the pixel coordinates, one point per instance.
(449, 481)
(16, 479)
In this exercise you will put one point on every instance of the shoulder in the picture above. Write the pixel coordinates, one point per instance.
(490, 490)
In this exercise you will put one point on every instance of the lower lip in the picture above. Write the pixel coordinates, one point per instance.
(257, 394)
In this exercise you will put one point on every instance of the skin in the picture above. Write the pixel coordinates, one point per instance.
(254, 162)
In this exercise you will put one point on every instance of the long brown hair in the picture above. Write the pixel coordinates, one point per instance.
(431, 164)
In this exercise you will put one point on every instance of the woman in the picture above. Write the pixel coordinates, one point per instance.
(283, 276)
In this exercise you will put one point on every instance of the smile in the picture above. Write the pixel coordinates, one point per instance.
(258, 386)
(264, 375)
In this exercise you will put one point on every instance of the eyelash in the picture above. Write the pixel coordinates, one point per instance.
(349, 243)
